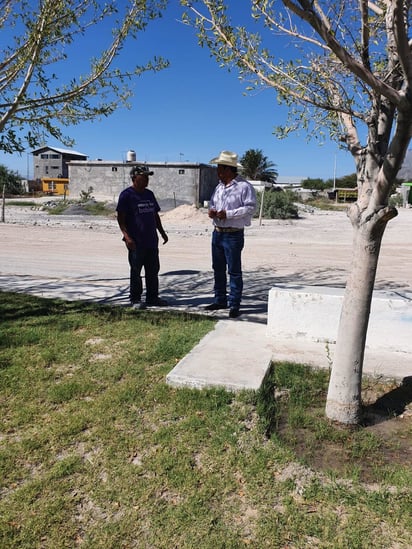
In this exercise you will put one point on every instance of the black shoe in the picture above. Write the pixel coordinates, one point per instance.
(234, 313)
(215, 306)
(157, 303)
(138, 305)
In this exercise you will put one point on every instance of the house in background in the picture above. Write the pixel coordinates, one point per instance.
(51, 168)
(53, 162)
(60, 171)
(173, 183)
(55, 186)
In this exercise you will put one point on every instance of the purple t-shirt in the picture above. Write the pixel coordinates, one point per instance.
(140, 210)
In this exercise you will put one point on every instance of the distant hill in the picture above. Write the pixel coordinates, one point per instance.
(405, 172)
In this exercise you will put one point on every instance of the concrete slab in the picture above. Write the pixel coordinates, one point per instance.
(235, 356)
(387, 364)
(313, 313)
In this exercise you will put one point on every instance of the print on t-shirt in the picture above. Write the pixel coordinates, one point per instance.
(145, 207)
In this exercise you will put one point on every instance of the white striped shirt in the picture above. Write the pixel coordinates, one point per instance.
(238, 199)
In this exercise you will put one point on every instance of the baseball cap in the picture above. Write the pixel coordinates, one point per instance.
(140, 170)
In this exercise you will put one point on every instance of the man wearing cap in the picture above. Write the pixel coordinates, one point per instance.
(231, 207)
(138, 218)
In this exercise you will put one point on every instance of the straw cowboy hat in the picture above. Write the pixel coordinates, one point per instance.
(227, 158)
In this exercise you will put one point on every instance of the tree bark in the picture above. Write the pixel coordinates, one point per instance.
(344, 394)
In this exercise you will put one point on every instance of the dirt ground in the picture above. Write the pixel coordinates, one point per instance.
(78, 256)
(313, 250)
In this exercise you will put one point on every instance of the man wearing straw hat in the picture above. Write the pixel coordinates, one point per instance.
(231, 208)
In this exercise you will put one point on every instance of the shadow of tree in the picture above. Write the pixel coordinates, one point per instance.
(389, 405)
(185, 289)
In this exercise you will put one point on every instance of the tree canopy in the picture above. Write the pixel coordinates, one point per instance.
(257, 167)
(345, 63)
(59, 64)
(315, 184)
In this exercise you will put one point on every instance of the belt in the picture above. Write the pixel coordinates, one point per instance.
(227, 229)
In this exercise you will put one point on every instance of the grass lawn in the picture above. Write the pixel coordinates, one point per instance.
(96, 451)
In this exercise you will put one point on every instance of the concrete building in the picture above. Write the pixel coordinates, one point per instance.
(289, 182)
(52, 162)
(173, 182)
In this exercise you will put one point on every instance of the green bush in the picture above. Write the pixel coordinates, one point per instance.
(396, 200)
(315, 184)
(10, 181)
(86, 195)
(92, 207)
(277, 204)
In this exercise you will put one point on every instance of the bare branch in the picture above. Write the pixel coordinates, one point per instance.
(265, 71)
(290, 31)
(306, 12)
(365, 34)
(373, 7)
(32, 95)
(401, 38)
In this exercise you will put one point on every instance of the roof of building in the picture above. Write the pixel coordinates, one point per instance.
(60, 151)
(289, 180)
(102, 162)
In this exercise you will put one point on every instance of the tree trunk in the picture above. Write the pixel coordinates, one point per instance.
(344, 394)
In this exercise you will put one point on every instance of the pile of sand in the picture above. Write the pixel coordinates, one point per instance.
(185, 216)
(186, 213)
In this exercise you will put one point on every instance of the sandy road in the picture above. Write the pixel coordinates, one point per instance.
(83, 257)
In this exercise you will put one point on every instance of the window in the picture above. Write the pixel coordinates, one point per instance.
(51, 186)
(54, 156)
(114, 169)
(181, 172)
(44, 156)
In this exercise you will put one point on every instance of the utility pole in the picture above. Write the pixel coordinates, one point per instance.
(3, 204)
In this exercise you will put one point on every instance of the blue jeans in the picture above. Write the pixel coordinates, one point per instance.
(226, 253)
(149, 259)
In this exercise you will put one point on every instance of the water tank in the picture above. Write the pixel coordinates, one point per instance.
(131, 156)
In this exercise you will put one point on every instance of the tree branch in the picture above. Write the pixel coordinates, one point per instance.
(365, 34)
(305, 11)
(401, 39)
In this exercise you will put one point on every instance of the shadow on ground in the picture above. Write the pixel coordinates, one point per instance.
(390, 405)
(184, 289)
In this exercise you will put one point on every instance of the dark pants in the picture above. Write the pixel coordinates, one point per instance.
(226, 253)
(149, 259)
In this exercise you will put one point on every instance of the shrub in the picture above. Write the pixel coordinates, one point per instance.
(86, 195)
(10, 181)
(396, 200)
(277, 204)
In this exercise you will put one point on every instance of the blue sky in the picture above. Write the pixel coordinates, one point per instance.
(191, 111)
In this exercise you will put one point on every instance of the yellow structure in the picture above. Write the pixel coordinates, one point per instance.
(347, 194)
(55, 185)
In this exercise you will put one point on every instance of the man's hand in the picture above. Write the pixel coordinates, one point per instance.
(130, 243)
